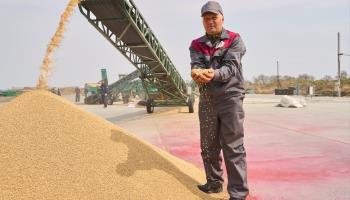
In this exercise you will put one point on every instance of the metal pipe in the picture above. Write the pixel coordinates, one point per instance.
(339, 54)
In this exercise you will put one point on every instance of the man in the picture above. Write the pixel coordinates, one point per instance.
(58, 92)
(77, 94)
(104, 94)
(216, 67)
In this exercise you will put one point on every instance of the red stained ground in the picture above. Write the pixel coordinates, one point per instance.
(284, 161)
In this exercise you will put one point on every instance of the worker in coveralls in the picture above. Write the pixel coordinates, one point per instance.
(77, 94)
(59, 92)
(104, 94)
(216, 67)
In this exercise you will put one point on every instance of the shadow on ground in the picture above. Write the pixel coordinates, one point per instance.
(136, 161)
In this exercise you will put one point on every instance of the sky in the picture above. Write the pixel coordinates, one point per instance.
(300, 34)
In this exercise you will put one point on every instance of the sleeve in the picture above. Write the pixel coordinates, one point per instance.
(197, 58)
(231, 62)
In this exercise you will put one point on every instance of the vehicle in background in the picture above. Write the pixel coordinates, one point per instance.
(10, 93)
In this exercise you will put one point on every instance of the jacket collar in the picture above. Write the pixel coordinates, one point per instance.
(224, 35)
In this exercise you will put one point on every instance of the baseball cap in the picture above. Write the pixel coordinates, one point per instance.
(212, 6)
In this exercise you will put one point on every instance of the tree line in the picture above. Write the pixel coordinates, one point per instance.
(326, 86)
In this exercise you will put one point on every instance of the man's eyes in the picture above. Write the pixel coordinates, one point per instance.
(213, 18)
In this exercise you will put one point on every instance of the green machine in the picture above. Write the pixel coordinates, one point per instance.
(135, 88)
(123, 86)
(92, 90)
(123, 25)
(10, 93)
(104, 76)
(92, 93)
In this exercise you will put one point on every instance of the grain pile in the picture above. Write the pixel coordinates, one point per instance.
(51, 149)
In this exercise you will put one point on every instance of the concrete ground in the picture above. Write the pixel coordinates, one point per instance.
(292, 153)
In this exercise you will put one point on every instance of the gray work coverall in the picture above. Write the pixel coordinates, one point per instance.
(221, 112)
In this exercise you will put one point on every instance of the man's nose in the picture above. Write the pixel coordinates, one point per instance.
(211, 22)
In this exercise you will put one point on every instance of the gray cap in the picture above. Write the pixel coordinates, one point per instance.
(212, 6)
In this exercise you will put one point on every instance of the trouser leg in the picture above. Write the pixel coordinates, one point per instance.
(210, 142)
(105, 101)
(231, 119)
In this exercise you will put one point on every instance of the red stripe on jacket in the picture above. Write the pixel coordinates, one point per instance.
(201, 47)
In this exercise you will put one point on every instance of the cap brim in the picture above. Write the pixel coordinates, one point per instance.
(210, 11)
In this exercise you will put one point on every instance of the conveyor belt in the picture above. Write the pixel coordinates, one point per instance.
(121, 23)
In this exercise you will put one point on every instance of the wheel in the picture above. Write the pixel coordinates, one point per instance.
(110, 101)
(150, 106)
(190, 105)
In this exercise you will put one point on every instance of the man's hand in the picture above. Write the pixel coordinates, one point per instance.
(202, 75)
(209, 74)
(195, 74)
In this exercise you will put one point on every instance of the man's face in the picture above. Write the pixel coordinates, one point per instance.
(213, 23)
